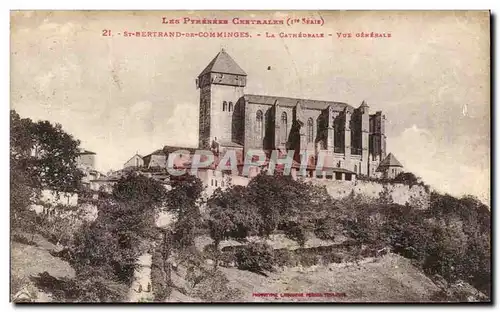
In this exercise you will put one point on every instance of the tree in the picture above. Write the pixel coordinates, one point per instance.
(41, 156)
(183, 200)
(55, 154)
(282, 199)
(232, 214)
(122, 231)
(255, 257)
(23, 184)
(407, 178)
(289, 205)
(139, 189)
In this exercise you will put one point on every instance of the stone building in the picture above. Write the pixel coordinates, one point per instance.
(86, 159)
(86, 163)
(348, 141)
(351, 139)
(135, 161)
(390, 167)
(159, 158)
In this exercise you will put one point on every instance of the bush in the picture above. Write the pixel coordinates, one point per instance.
(326, 228)
(23, 240)
(284, 257)
(307, 258)
(212, 286)
(227, 258)
(295, 231)
(93, 286)
(332, 258)
(255, 257)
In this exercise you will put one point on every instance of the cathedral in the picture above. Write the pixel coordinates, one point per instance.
(351, 139)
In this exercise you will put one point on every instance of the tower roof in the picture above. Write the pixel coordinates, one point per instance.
(363, 104)
(390, 161)
(224, 64)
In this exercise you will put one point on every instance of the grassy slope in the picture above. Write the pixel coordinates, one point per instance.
(389, 278)
(28, 261)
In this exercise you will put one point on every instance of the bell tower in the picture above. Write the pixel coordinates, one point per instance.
(221, 85)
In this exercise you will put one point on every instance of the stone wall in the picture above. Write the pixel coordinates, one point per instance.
(86, 160)
(401, 193)
(221, 121)
(62, 198)
(252, 137)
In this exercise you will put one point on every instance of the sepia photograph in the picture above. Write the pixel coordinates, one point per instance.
(250, 156)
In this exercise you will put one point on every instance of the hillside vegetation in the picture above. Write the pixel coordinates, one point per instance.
(276, 235)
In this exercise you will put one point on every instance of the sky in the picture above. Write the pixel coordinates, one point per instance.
(121, 95)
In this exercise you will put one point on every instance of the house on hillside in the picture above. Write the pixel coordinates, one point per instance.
(158, 158)
(86, 159)
(136, 161)
(155, 159)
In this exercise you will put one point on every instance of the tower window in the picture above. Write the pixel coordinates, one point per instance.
(224, 106)
(260, 124)
(230, 106)
(310, 130)
(284, 126)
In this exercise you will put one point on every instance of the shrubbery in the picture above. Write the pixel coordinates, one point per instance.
(255, 257)
(450, 238)
(212, 286)
(443, 239)
(22, 239)
(327, 228)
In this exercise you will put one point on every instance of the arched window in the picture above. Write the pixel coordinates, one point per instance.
(224, 106)
(356, 168)
(230, 106)
(310, 130)
(284, 127)
(260, 124)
